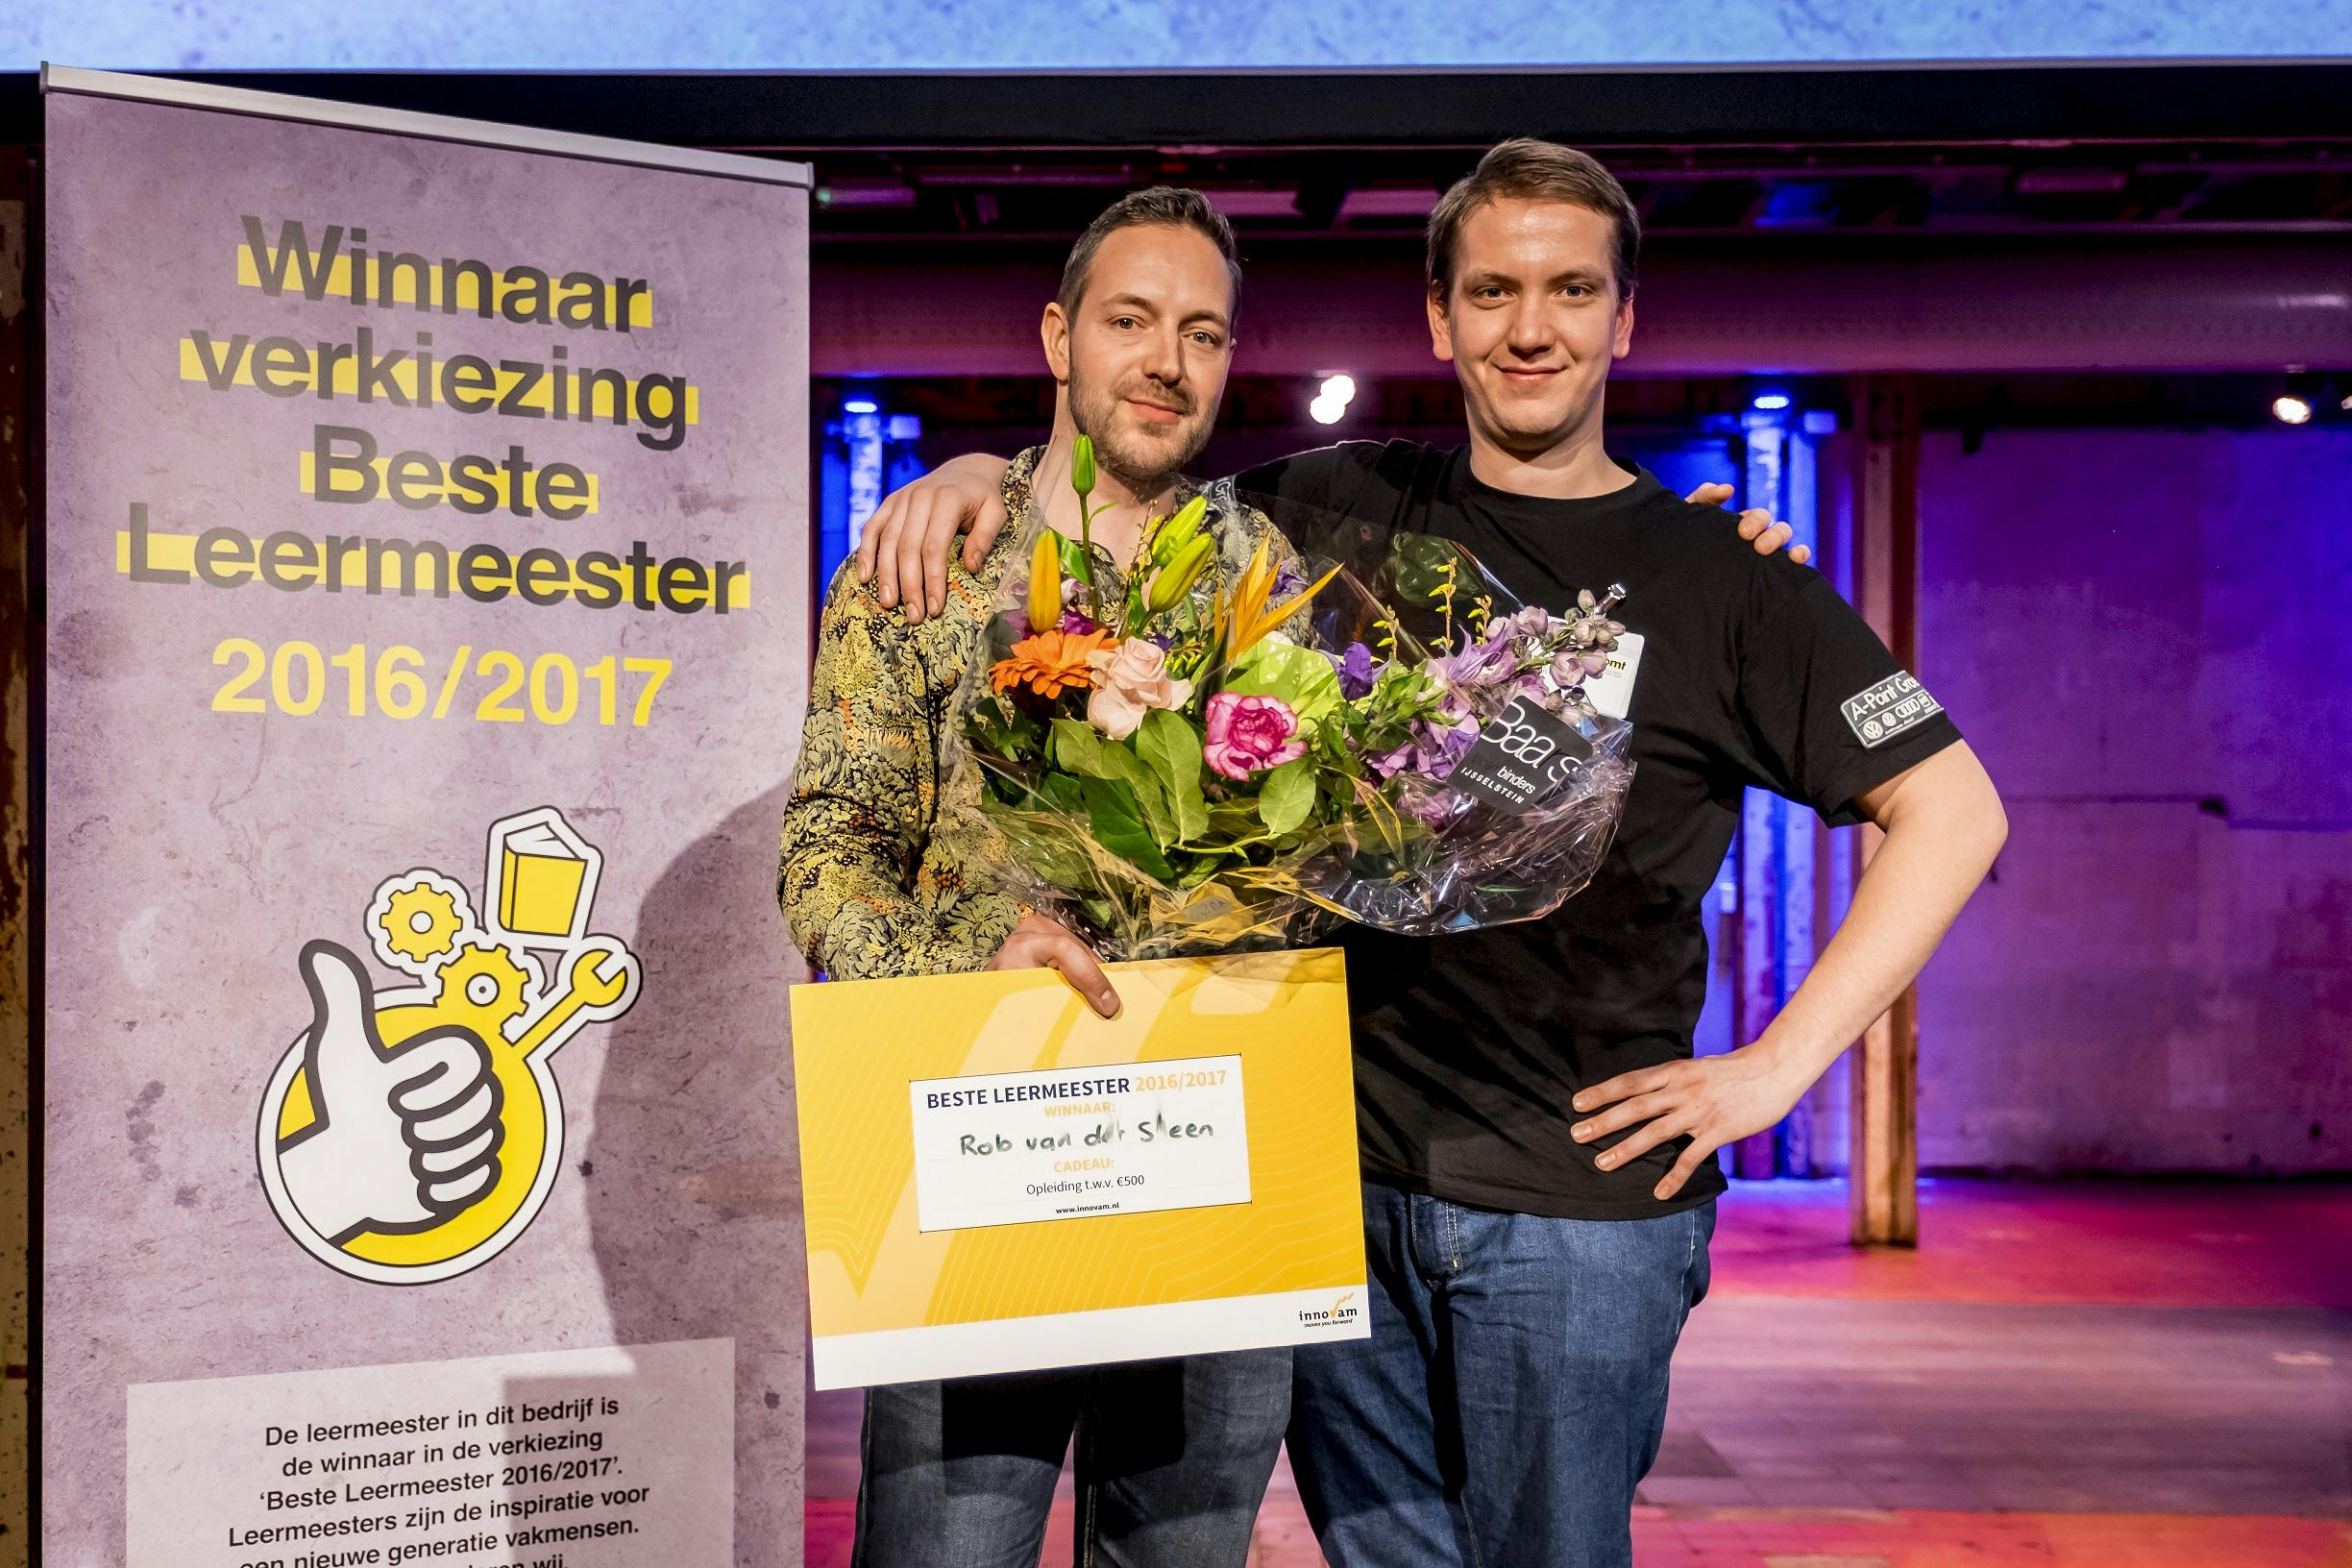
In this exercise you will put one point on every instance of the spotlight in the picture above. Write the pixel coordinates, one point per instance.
(861, 406)
(1330, 405)
(2290, 410)
(1770, 402)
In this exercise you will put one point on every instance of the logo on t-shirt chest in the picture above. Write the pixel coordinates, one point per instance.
(1897, 704)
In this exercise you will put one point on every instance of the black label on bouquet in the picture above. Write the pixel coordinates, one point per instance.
(1522, 754)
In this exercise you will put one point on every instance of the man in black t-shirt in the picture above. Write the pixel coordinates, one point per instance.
(1536, 1133)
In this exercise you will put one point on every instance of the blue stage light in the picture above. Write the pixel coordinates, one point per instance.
(1771, 401)
(861, 406)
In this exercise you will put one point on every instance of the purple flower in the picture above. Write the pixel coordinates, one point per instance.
(1288, 582)
(1077, 624)
(1432, 751)
(1534, 621)
(1484, 663)
(1441, 748)
(1355, 672)
(1435, 807)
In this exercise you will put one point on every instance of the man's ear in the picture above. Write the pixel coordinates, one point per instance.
(1624, 341)
(1054, 334)
(1441, 327)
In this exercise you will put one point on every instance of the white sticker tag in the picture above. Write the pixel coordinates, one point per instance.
(1612, 691)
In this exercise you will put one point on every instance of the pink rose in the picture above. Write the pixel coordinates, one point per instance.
(1250, 734)
(1131, 679)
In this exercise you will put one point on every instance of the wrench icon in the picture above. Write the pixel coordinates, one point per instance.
(600, 983)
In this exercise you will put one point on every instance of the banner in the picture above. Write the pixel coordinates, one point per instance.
(428, 584)
(1000, 1180)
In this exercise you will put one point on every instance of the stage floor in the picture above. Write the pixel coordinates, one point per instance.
(2077, 1375)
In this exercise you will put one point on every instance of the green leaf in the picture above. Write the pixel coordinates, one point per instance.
(1287, 795)
(1277, 667)
(1074, 562)
(1081, 749)
(1063, 793)
(1118, 826)
(1078, 749)
(1172, 749)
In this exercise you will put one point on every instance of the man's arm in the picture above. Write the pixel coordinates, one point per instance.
(861, 805)
(854, 824)
(1944, 824)
(907, 542)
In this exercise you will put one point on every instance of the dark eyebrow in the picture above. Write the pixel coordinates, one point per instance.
(1138, 302)
(1574, 275)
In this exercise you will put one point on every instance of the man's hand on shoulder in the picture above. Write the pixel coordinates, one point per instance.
(1756, 525)
(907, 542)
(1039, 944)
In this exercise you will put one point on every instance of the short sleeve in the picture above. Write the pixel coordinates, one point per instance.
(1829, 714)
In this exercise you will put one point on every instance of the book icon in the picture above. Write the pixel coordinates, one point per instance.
(541, 877)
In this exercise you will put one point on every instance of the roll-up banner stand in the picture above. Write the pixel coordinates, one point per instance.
(428, 582)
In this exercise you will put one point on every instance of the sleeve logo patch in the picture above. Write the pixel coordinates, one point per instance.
(1895, 705)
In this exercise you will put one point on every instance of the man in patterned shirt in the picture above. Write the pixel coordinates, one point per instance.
(881, 874)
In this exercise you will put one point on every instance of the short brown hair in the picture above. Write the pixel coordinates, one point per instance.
(1528, 170)
(1166, 207)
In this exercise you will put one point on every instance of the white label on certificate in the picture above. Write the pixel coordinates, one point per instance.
(1012, 1148)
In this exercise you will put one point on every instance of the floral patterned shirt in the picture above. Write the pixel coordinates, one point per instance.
(883, 871)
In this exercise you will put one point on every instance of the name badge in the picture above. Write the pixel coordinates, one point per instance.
(1612, 691)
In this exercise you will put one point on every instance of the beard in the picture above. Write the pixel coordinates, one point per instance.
(1143, 458)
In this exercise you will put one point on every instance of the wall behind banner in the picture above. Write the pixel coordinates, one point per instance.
(2141, 633)
(1154, 35)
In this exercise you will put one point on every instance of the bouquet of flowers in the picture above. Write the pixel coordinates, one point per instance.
(1210, 752)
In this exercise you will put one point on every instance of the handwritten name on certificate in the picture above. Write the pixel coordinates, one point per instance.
(1012, 1148)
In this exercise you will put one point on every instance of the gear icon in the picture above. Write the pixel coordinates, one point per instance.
(418, 921)
(487, 980)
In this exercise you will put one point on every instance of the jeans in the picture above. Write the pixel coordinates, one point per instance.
(1512, 1393)
(1172, 1461)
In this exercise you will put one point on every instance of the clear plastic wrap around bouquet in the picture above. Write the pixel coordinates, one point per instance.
(1215, 753)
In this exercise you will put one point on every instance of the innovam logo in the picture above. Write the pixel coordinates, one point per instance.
(1342, 1311)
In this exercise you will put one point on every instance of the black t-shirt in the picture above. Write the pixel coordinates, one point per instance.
(1751, 670)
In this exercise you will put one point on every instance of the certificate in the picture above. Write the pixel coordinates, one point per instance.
(996, 1179)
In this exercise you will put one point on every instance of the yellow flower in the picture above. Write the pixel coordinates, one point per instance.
(1178, 529)
(1244, 617)
(1050, 662)
(1177, 577)
(1045, 583)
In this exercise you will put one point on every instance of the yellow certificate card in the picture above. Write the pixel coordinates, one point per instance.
(996, 1179)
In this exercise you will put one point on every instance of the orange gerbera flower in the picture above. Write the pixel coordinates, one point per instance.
(1050, 662)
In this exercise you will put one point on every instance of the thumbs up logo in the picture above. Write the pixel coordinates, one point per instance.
(411, 1134)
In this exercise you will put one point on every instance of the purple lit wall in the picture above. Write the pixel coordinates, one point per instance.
(2145, 636)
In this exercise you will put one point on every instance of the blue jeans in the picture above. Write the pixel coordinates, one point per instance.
(1512, 1393)
(1172, 1461)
